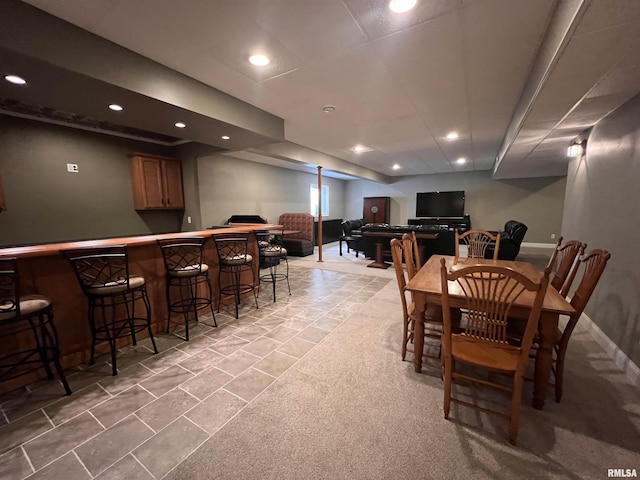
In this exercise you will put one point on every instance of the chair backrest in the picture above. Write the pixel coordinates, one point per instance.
(564, 255)
(515, 231)
(477, 242)
(594, 263)
(490, 292)
(397, 251)
(232, 248)
(9, 288)
(99, 266)
(302, 222)
(181, 254)
(411, 253)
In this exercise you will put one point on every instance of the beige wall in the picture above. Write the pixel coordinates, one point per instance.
(229, 186)
(601, 209)
(537, 202)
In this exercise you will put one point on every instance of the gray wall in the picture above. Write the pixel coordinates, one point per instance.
(46, 204)
(231, 186)
(537, 202)
(601, 209)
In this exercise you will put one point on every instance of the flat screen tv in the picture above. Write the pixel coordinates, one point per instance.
(440, 204)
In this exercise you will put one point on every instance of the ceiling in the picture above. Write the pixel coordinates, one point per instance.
(517, 79)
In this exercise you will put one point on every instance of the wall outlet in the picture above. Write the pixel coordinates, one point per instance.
(72, 168)
(188, 219)
(553, 236)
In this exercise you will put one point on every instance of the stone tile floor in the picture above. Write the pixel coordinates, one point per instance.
(141, 423)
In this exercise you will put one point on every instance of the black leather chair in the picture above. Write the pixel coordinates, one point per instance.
(510, 239)
(352, 235)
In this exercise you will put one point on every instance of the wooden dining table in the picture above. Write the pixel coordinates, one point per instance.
(426, 287)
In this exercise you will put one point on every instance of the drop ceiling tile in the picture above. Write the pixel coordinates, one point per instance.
(377, 20)
(328, 29)
(622, 79)
(85, 17)
(236, 50)
(605, 13)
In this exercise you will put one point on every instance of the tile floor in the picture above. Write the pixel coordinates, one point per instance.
(160, 408)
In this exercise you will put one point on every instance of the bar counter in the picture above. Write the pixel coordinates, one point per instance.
(45, 271)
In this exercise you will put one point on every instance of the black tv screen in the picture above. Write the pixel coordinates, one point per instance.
(440, 204)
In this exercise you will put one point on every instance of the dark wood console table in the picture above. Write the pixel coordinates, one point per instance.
(379, 259)
(462, 224)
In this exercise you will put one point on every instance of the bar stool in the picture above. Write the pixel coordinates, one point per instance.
(24, 313)
(185, 270)
(103, 275)
(272, 254)
(233, 260)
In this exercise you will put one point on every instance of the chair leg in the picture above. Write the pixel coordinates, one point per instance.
(147, 305)
(210, 290)
(55, 345)
(559, 374)
(405, 336)
(273, 271)
(168, 295)
(340, 242)
(514, 414)
(286, 261)
(447, 385)
(92, 327)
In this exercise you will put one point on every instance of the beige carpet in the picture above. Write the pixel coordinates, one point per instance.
(351, 409)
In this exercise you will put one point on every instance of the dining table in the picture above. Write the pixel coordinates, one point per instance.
(426, 288)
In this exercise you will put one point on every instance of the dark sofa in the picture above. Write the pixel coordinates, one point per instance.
(510, 239)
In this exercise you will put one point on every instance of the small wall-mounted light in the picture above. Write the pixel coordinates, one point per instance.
(577, 148)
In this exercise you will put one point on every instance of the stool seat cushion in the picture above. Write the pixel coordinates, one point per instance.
(273, 251)
(29, 304)
(236, 259)
(110, 288)
(189, 270)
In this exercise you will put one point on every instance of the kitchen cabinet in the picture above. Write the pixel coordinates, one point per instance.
(157, 182)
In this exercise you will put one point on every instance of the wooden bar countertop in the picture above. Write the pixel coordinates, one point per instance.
(45, 271)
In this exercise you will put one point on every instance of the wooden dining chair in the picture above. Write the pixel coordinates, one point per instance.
(594, 263)
(412, 255)
(477, 242)
(433, 313)
(563, 257)
(489, 293)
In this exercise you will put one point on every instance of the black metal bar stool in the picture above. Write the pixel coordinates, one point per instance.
(272, 254)
(24, 313)
(185, 270)
(233, 260)
(103, 274)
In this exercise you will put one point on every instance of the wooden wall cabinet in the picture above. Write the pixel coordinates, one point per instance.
(157, 182)
(376, 209)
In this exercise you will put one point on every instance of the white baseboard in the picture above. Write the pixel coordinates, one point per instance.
(631, 370)
(538, 245)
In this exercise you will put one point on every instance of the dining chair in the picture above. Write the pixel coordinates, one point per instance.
(594, 263)
(564, 255)
(489, 293)
(410, 244)
(433, 313)
(477, 242)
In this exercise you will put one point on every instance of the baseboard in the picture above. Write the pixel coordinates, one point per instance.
(631, 370)
(538, 245)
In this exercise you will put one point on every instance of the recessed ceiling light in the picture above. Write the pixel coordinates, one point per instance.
(401, 6)
(180, 125)
(225, 137)
(396, 166)
(361, 149)
(453, 136)
(115, 107)
(259, 60)
(461, 161)
(15, 79)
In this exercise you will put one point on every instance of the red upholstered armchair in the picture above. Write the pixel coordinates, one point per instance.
(298, 244)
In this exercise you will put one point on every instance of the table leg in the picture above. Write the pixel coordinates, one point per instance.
(379, 262)
(548, 331)
(418, 330)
